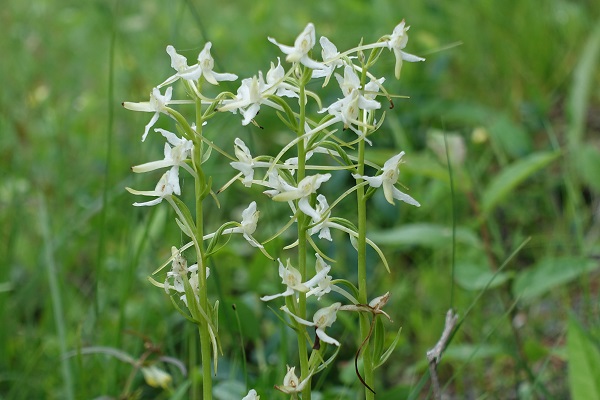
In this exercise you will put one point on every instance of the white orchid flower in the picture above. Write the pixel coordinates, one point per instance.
(397, 41)
(331, 60)
(349, 82)
(317, 215)
(387, 179)
(253, 92)
(306, 187)
(175, 156)
(166, 187)
(248, 99)
(157, 104)
(291, 277)
(302, 46)
(347, 110)
(276, 183)
(178, 63)
(252, 395)
(324, 285)
(322, 319)
(275, 80)
(245, 163)
(247, 227)
(372, 88)
(291, 383)
(204, 68)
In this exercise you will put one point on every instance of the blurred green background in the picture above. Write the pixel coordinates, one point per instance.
(513, 85)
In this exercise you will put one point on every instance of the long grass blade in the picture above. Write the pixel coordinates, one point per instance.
(49, 262)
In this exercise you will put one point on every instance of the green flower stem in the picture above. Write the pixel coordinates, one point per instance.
(200, 183)
(302, 246)
(365, 325)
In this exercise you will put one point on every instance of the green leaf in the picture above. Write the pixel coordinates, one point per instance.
(587, 161)
(550, 273)
(476, 276)
(389, 351)
(584, 364)
(511, 136)
(511, 176)
(428, 235)
(472, 352)
(378, 338)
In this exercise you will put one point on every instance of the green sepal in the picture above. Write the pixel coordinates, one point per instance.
(207, 189)
(283, 319)
(326, 363)
(182, 312)
(291, 118)
(185, 211)
(286, 122)
(212, 246)
(206, 154)
(369, 193)
(215, 315)
(340, 153)
(350, 285)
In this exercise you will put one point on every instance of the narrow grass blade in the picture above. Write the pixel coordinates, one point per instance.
(55, 295)
(583, 83)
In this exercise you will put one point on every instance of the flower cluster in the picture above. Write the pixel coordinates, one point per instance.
(296, 177)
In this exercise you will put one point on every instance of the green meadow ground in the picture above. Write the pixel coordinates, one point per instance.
(514, 87)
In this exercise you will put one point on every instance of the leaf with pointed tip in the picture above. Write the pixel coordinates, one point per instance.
(584, 364)
(389, 350)
(510, 177)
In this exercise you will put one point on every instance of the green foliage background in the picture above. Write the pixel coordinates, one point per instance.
(517, 81)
